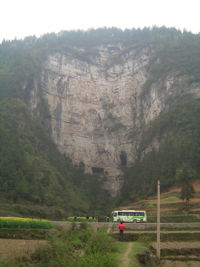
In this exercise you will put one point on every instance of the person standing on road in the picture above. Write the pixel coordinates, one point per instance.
(121, 228)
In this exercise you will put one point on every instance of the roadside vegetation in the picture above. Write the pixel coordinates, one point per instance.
(81, 247)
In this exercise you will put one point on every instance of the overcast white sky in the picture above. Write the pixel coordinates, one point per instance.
(21, 18)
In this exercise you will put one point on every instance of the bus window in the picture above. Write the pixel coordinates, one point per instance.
(139, 213)
(123, 213)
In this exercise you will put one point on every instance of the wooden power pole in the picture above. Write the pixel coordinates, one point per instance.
(158, 220)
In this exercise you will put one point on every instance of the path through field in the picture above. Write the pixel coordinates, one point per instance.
(125, 257)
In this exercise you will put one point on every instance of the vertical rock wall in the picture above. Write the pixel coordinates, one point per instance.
(98, 107)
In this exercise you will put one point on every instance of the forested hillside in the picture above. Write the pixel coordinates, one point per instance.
(36, 179)
(169, 146)
(176, 160)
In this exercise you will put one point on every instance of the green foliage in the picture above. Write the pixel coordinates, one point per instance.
(33, 170)
(35, 177)
(101, 243)
(185, 173)
(169, 199)
(25, 224)
(150, 205)
(176, 158)
(19, 65)
(178, 55)
(74, 247)
(98, 260)
(99, 251)
(145, 239)
(187, 191)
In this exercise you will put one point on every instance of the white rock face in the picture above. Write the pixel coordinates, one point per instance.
(98, 107)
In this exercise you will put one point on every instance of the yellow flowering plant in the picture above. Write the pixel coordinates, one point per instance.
(20, 222)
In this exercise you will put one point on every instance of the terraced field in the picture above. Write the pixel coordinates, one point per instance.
(180, 227)
(11, 248)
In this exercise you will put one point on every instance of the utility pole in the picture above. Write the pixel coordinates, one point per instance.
(158, 220)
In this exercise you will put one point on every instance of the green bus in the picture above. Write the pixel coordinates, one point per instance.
(129, 216)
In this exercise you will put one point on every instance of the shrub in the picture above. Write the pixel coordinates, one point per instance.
(98, 260)
(101, 243)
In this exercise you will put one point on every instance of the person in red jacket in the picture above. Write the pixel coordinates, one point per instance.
(121, 228)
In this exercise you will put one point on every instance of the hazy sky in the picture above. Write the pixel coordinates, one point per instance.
(21, 18)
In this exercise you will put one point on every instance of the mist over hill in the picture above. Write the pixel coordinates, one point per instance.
(89, 118)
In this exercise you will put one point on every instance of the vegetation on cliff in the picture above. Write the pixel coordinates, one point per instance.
(34, 177)
(175, 161)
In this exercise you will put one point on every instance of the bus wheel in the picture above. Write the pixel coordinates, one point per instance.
(135, 221)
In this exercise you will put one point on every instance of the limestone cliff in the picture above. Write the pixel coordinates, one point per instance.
(99, 104)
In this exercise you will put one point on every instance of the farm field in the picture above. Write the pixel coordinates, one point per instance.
(169, 263)
(172, 208)
(180, 246)
(11, 248)
(179, 254)
(179, 234)
(28, 223)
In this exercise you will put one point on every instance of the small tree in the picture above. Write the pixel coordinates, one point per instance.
(185, 174)
(187, 191)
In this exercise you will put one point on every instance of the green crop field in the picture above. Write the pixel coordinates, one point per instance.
(15, 222)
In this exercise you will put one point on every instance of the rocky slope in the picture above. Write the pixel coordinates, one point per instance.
(99, 103)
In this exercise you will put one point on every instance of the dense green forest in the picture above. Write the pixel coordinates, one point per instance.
(36, 179)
